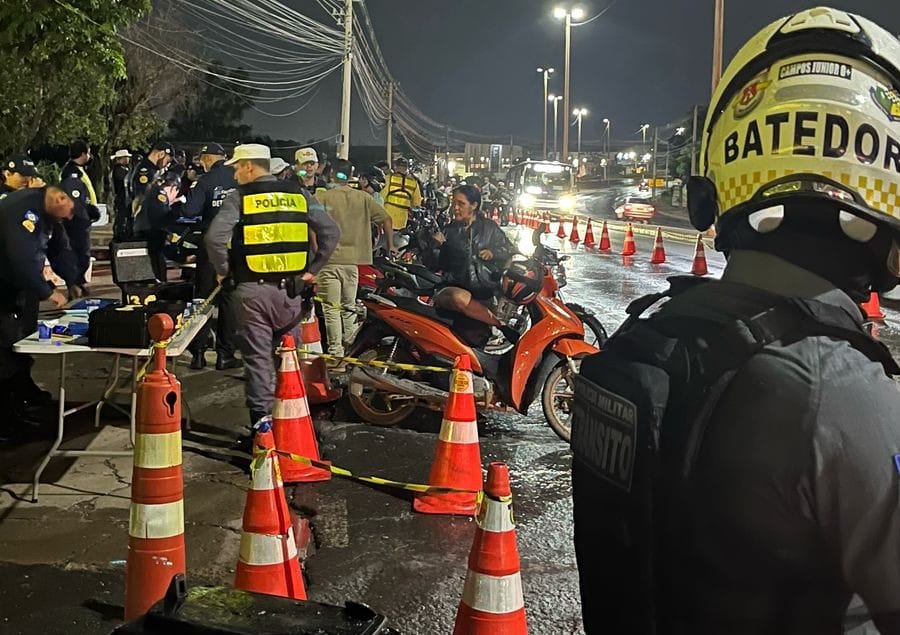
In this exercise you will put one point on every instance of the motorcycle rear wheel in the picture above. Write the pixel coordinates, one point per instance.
(558, 399)
(372, 407)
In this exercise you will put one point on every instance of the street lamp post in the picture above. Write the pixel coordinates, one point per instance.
(718, 42)
(546, 72)
(605, 173)
(644, 129)
(555, 99)
(567, 14)
(579, 115)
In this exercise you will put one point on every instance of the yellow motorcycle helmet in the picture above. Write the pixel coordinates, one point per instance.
(808, 109)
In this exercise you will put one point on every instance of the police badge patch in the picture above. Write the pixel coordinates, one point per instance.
(143, 179)
(28, 225)
(161, 198)
(29, 215)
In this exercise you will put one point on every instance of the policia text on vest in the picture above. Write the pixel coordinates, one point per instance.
(271, 240)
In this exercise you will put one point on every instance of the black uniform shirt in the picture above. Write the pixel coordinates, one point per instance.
(142, 177)
(208, 193)
(24, 234)
(155, 211)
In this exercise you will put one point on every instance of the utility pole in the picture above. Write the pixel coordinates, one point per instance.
(655, 148)
(344, 147)
(694, 143)
(718, 43)
(565, 142)
(390, 123)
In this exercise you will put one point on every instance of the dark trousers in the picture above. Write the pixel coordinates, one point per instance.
(226, 327)
(18, 318)
(123, 223)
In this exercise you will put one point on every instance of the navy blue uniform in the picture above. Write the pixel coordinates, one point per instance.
(78, 228)
(149, 225)
(205, 199)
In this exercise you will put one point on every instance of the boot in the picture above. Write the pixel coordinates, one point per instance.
(198, 360)
(228, 362)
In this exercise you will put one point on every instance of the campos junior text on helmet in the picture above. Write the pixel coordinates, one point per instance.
(522, 281)
(810, 106)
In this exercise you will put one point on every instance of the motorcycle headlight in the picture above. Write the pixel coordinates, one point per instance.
(526, 200)
(567, 203)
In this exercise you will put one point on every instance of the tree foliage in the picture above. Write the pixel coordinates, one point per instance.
(63, 61)
(213, 112)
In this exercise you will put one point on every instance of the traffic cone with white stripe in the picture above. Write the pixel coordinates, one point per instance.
(629, 248)
(268, 561)
(561, 231)
(313, 369)
(589, 241)
(156, 525)
(457, 461)
(872, 308)
(699, 268)
(293, 427)
(605, 244)
(547, 223)
(574, 237)
(496, 215)
(492, 600)
(659, 251)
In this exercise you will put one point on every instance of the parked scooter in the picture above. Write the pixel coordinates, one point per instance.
(410, 330)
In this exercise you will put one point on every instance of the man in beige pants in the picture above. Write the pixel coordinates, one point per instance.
(354, 212)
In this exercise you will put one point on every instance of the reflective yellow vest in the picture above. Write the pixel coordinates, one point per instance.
(271, 238)
(399, 198)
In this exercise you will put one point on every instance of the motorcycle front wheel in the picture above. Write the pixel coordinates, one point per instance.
(375, 407)
(558, 399)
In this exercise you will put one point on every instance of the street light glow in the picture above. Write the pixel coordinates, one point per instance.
(605, 120)
(559, 13)
(551, 97)
(580, 112)
(577, 13)
(679, 131)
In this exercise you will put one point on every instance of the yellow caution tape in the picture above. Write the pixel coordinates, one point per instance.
(180, 327)
(355, 361)
(260, 455)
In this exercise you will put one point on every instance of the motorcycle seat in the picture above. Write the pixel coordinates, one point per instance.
(472, 332)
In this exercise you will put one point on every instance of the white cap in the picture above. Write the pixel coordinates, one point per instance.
(249, 151)
(277, 165)
(305, 155)
(121, 154)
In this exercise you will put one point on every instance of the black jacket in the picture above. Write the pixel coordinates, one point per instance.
(154, 213)
(25, 232)
(458, 258)
(208, 192)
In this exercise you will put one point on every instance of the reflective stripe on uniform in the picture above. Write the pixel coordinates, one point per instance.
(493, 594)
(156, 521)
(157, 450)
(290, 408)
(273, 202)
(259, 549)
(459, 432)
(495, 516)
(276, 233)
(277, 263)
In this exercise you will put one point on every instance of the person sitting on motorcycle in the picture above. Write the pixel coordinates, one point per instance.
(473, 253)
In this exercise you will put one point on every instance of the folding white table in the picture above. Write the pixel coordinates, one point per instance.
(63, 348)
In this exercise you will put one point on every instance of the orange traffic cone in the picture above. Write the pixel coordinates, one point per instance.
(293, 427)
(313, 370)
(496, 215)
(547, 223)
(561, 231)
(605, 245)
(699, 267)
(156, 530)
(659, 251)
(872, 308)
(492, 601)
(589, 241)
(457, 460)
(268, 561)
(629, 248)
(574, 237)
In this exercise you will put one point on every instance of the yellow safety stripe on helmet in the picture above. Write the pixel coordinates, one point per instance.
(277, 263)
(276, 233)
(274, 202)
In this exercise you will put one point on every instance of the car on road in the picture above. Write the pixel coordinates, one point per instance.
(639, 209)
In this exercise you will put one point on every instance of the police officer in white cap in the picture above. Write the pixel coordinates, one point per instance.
(267, 222)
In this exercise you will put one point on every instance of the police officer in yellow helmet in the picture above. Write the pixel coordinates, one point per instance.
(736, 445)
(261, 240)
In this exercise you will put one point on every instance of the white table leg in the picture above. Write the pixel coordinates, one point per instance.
(112, 383)
(60, 428)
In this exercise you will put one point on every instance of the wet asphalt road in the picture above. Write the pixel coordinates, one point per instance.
(369, 545)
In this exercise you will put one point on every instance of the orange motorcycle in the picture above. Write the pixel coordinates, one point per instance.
(409, 330)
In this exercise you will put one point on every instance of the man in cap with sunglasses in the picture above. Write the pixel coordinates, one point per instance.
(736, 445)
(205, 198)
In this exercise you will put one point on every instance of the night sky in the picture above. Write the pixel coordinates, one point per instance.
(471, 63)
